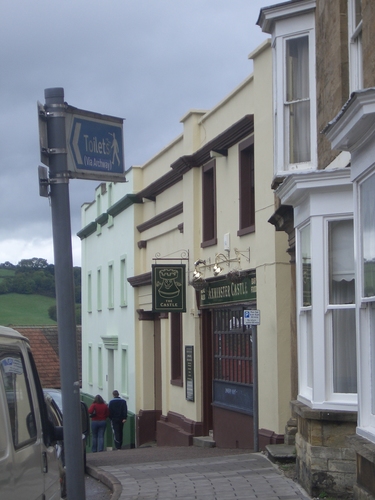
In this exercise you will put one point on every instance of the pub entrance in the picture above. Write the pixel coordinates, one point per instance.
(232, 385)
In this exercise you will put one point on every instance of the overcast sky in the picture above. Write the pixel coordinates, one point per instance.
(148, 61)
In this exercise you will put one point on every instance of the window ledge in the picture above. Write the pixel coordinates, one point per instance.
(177, 382)
(305, 411)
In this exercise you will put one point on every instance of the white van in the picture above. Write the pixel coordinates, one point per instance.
(29, 466)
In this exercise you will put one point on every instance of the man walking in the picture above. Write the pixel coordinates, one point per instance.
(118, 413)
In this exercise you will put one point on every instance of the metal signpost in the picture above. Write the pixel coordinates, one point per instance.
(95, 151)
(252, 317)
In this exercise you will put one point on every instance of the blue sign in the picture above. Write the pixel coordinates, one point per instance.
(95, 147)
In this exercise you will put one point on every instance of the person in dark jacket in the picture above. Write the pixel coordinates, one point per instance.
(99, 413)
(118, 413)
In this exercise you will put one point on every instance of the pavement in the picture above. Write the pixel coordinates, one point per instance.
(188, 473)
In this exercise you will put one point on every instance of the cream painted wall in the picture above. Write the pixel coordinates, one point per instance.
(267, 250)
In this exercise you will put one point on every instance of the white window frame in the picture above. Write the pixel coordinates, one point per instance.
(355, 49)
(123, 281)
(365, 329)
(350, 398)
(304, 326)
(99, 292)
(287, 31)
(89, 365)
(98, 213)
(100, 366)
(110, 203)
(111, 285)
(124, 370)
(89, 292)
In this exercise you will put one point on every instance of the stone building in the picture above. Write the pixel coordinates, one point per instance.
(323, 170)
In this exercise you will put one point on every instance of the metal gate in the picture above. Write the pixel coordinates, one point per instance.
(233, 360)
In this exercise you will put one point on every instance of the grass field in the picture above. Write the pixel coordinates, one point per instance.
(25, 310)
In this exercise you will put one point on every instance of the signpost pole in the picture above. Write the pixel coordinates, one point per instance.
(59, 196)
(254, 334)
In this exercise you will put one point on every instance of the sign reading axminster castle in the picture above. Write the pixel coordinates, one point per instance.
(223, 291)
(168, 288)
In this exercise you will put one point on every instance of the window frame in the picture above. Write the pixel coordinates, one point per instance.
(320, 393)
(124, 370)
(246, 174)
(100, 367)
(366, 327)
(355, 48)
(8, 352)
(111, 285)
(209, 206)
(282, 166)
(89, 292)
(99, 289)
(123, 281)
(329, 312)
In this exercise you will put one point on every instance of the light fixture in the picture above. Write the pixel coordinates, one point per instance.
(199, 262)
(217, 269)
(197, 274)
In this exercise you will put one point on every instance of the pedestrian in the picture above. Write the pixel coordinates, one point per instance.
(99, 413)
(118, 413)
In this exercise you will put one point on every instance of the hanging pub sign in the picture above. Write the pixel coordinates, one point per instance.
(168, 288)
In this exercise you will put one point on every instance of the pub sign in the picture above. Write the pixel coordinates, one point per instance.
(168, 288)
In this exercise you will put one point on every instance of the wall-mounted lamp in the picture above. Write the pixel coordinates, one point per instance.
(196, 274)
(198, 262)
(217, 267)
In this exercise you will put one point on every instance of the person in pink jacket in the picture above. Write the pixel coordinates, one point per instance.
(99, 413)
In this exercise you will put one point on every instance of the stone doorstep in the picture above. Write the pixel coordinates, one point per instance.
(281, 453)
(204, 442)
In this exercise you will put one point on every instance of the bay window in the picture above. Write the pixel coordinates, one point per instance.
(367, 273)
(341, 307)
(292, 26)
(325, 287)
(305, 322)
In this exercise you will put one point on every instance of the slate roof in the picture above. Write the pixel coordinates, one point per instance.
(45, 349)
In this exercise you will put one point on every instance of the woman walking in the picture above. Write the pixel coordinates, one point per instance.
(99, 413)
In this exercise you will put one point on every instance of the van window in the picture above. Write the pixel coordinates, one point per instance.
(17, 390)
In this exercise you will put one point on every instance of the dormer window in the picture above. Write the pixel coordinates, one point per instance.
(355, 44)
(292, 26)
(297, 101)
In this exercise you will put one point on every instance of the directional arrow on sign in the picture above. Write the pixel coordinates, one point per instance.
(77, 130)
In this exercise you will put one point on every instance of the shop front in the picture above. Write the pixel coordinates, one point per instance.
(228, 360)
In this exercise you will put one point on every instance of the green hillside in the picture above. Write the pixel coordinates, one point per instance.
(25, 310)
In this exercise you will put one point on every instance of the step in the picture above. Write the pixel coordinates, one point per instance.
(281, 453)
(204, 442)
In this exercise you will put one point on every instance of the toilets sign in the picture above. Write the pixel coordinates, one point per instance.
(94, 145)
